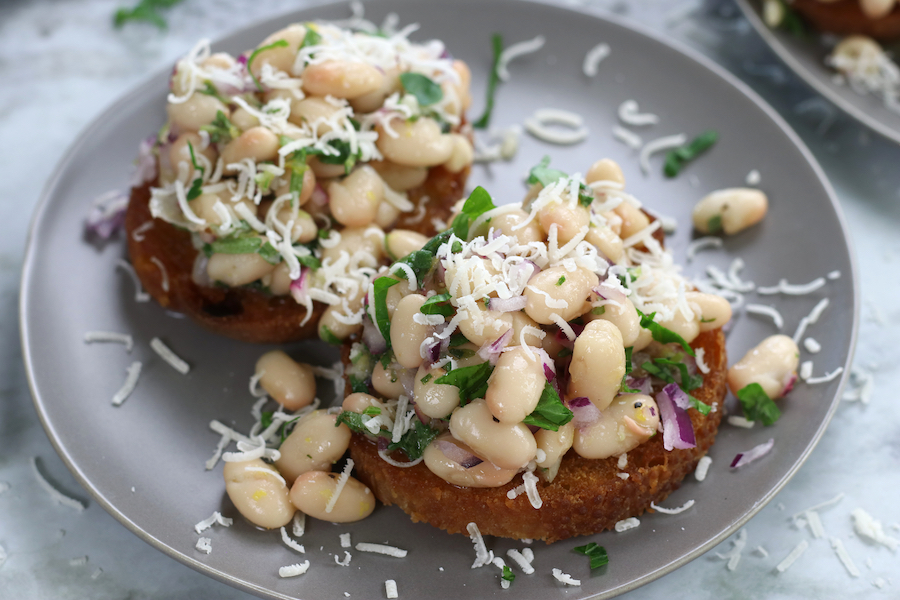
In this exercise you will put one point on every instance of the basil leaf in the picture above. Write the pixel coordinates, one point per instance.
(310, 261)
(472, 381)
(221, 130)
(550, 412)
(197, 184)
(145, 10)
(661, 334)
(268, 252)
(494, 78)
(478, 203)
(436, 305)
(544, 175)
(344, 155)
(422, 260)
(687, 381)
(415, 440)
(277, 44)
(265, 419)
(757, 405)
(382, 320)
(354, 421)
(678, 158)
(426, 91)
(328, 337)
(508, 574)
(597, 554)
(311, 38)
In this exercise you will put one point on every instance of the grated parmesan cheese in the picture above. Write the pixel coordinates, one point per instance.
(133, 372)
(672, 511)
(345, 540)
(810, 319)
(91, 337)
(825, 378)
(792, 557)
(515, 51)
(844, 556)
(869, 528)
(761, 551)
(627, 137)
(790, 289)
(806, 370)
(739, 421)
(702, 244)
(769, 311)
(539, 125)
(659, 145)
(630, 114)
(204, 544)
(812, 345)
(733, 556)
(626, 524)
(753, 178)
(214, 519)
(294, 570)
(521, 561)
(381, 549)
(565, 578)
(139, 294)
(341, 482)
(346, 560)
(79, 561)
(291, 543)
(702, 468)
(482, 555)
(164, 352)
(390, 588)
(591, 65)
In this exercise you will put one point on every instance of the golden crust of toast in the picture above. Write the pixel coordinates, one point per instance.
(243, 313)
(587, 496)
(845, 17)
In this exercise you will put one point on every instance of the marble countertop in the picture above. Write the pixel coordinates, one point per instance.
(62, 63)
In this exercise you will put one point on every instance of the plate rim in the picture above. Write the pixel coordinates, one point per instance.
(49, 191)
(748, 8)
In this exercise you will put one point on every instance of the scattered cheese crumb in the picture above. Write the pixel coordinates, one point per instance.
(627, 137)
(869, 528)
(345, 562)
(514, 51)
(834, 275)
(133, 372)
(815, 524)
(762, 551)
(294, 570)
(78, 562)
(844, 557)
(539, 123)
(753, 178)
(91, 337)
(702, 468)
(381, 549)
(593, 58)
(519, 559)
(880, 583)
(702, 244)
(806, 370)
(341, 482)
(626, 524)
(211, 520)
(204, 544)
(565, 578)
(139, 294)
(739, 421)
(792, 557)
(345, 540)
(622, 476)
(792, 289)
(54, 493)
(733, 556)
(812, 345)
(97, 573)
(390, 588)
(170, 357)
(826, 377)
(672, 511)
(482, 556)
(291, 543)
(769, 311)
(659, 145)
(623, 460)
(299, 524)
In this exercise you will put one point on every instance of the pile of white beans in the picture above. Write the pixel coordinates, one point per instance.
(490, 429)
(360, 206)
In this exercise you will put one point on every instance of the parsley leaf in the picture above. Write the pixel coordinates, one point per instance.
(197, 184)
(357, 384)
(437, 305)
(426, 91)
(494, 78)
(478, 203)
(714, 225)
(472, 381)
(701, 407)
(265, 419)
(661, 334)
(561, 280)
(277, 44)
(678, 158)
(596, 553)
(544, 175)
(508, 574)
(312, 37)
(757, 405)
(145, 10)
(372, 411)
(328, 337)
(550, 412)
(382, 320)
(221, 130)
(415, 440)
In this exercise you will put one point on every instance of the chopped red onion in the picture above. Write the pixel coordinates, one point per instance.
(790, 380)
(465, 459)
(420, 415)
(586, 414)
(678, 396)
(199, 274)
(678, 431)
(752, 454)
(549, 365)
(641, 384)
(372, 337)
(609, 293)
(319, 196)
(146, 163)
(107, 214)
(491, 351)
(408, 381)
(513, 304)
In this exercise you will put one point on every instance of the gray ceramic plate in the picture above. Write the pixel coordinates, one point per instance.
(806, 57)
(143, 462)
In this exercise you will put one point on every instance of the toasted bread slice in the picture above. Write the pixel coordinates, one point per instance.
(587, 496)
(245, 313)
(845, 17)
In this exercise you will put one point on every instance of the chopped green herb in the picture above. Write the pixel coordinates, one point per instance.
(564, 353)
(678, 158)
(561, 280)
(508, 575)
(210, 90)
(145, 10)
(544, 175)
(354, 421)
(265, 419)
(437, 305)
(312, 37)
(686, 381)
(598, 310)
(343, 155)
(427, 378)
(628, 353)
(382, 319)
(624, 388)
(426, 91)
(707, 320)
(221, 130)
(415, 440)
(235, 245)
(478, 203)
(550, 412)
(757, 405)
(197, 184)
(276, 44)
(493, 79)
(596, 553)
(714, 224)
(472, 381)
(702, 407)
(791, 21)
(458, 339)
(358, 384)
(460, 353)
(328, 337)
(372, 411)
(310, 261)
(661, 334)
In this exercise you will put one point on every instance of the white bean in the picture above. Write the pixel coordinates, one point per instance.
(485, 325)
(624, 317)
(315, 112)
(520, 320)
(281, 57)
(363, 244)
(180, 152)
(607, 242)
(312, 491)
(258, 493)
(407, 335)
(313, 445)
(243, 119)
(598, 363)
(203, 205)
(633, 219)
(387, 215)
(387, 381)
(461, 155)
(257, 143)
(483, 475)
(375, 99)
(435, 400)
(400, 177)
(877, 9)
(358, 402)
(730, 210)
(509, 446)
(712, 311)
(772, 364)
(516, 385)
(560, 286)
(290, 383)
(402, 242)
(569, 219)
(629, 421)
(506, 222)
(341, 79)
(554, 444)
(354, 200)
(605, 169)
(279, 280)
(195, 112)
(306, 190)
(237, 269)
(418, 144)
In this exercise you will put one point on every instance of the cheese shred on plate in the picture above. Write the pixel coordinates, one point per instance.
(164, 352)
(381, 549)
(294, 570)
